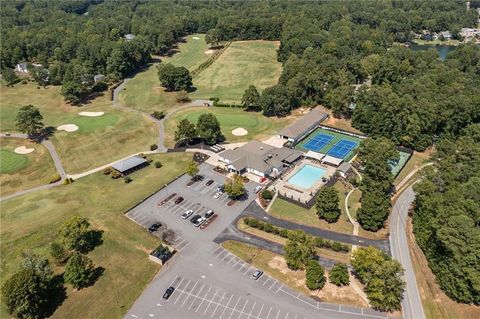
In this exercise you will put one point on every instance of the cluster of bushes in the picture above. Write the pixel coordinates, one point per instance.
(158, 164)
(267, 194)
(158, 115)
(113, 173)
(284, 233)
(153, 147)
(219, 104)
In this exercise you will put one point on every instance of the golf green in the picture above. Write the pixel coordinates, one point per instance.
(11, 162)
(90, 124)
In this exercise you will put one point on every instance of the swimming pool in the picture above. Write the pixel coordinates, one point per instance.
(307, 176)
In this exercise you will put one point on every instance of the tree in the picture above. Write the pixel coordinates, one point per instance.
(364, 260)
(315, 275)
(79, 271)
(75, 234)
(38, 264)
(9, 76)
(29, 121)
(58, 253)
(339, 99)
(327, 204)
(25, 294)
(339, 275)
(74, 92)
(299, 249)
(374, 210)
(208, 128)
(251, 99)
(275, 100)
(213, 37)
(41, 75)
(174, 78)
(385, 289)
(185, 131)
(192, 168)
(234, 186)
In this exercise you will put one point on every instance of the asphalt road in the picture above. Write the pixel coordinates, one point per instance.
(411, 304)
(256, 211)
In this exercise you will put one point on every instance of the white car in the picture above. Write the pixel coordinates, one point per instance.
(187, 214)
(257, 189)
(217, 195)
(199, 221)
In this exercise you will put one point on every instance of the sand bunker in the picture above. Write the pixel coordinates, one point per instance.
(240, 131)
(91, 114)
(68, 127)
(196, 38)
(23, 150)
(210, 51)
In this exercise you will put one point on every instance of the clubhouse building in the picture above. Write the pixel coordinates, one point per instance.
(304, 126)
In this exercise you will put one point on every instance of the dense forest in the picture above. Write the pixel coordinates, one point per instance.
(446, 218)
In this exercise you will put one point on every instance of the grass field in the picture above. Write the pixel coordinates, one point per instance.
(294, 213)
(144, 92)
(29, 223)
(336, 138)
(275, 266)
(417, 160)
(23, 171)
(98, 141)
(243, 63)
(257, 125)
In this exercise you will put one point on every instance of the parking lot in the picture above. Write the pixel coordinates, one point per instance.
(198, 197)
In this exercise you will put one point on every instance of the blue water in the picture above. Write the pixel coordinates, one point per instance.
(442, 50)
(307, 176)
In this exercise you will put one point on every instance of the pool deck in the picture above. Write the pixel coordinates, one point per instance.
(297, 193)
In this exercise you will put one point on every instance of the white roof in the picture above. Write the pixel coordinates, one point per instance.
(332, 160)
(129, 163)
(314, 155)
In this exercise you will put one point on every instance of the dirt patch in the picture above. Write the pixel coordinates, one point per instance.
(280, 264)
(345, 295)
(23, 150)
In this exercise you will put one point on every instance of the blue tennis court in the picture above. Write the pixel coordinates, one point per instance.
(318, 142)
(342, 148)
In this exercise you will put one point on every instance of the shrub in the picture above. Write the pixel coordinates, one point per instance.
(267, 194)
(158, 115)
(127, 179)
(115, 174)
(315, 278)
(283, 233)
(107, 171)
(68, 181)
(268, 227)
(153, 147)
(24, 81)
(79, 271)
(59, 253)
(55, 178)
(158, 164)
(339, 275)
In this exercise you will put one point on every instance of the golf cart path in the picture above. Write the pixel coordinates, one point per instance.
(56, 161)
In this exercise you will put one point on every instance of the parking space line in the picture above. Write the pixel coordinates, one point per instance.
(286, 316)
(241, 312)
(206, 294)
(196, 295)
(274, 283)
(267, 280)
(268, 315)
(189, 294)
(233, 258)
(225, 308)
(255, 303)
(277, 314)
(234, 307)
(210, 301)
(219, 302)
(215, 252)
(224, 252)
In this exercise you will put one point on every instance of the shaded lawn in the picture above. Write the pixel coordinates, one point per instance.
(20, 172)
(30, 222)
(257, 125)
(189, 54)
(242, 64)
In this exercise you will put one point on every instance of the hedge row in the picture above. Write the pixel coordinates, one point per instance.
(218, 104)
(210, 60)
(282, 232)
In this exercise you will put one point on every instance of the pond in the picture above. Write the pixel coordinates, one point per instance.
(443, 50)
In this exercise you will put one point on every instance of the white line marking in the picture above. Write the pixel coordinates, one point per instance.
(225, 307)
(200, 305)
(210, 301)
(277, 314)
(198, 294)
(234, 307)
(196, 283)
(218, 304)
(252, 310)
(268, 315)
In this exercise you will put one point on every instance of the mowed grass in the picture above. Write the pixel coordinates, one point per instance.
(143, 92)
(297, 214)
(98, 141)
(23, 171)
(30, 223)
(242, 64)
(257, 125)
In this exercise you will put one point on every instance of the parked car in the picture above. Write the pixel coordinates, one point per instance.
(210, 182)
(262, 179)
(217, 195)
(154, 227)
(179, 200)
(257, 274)
(220, 188)
(168, 292)
(209, 214)
(194, 219)
(257, 189)
(187, 214)
(197, 178)
(199, 221)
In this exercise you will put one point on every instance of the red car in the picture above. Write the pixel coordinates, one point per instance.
(179, 200)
